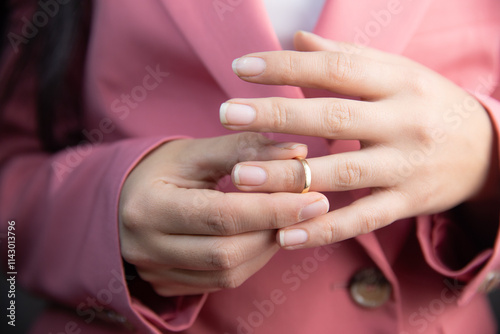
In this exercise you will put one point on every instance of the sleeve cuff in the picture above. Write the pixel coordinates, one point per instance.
(163, 313)
(448, 248)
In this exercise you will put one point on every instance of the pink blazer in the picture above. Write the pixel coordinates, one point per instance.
(157, 70)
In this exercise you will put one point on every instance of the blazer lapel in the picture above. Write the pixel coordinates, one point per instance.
(220, 31)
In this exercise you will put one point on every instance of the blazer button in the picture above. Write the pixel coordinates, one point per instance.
(491, 281)
(369, 288)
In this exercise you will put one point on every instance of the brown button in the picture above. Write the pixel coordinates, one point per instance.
(491, 281)
(369, 288)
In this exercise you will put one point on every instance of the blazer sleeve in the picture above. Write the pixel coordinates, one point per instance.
(64, 208)
(450, 249)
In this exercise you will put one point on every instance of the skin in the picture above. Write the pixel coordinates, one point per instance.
(403, 112)
(185, 237)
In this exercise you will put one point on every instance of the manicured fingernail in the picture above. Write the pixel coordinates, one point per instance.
(295, 237)
(288, 146)
(314, 210)
(236, 114)
(249, 175)
(248, 66)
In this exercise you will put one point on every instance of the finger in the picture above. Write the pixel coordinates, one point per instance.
(338, 72)
(196, 252)
(226, 151)
(306, 41)
(363, 216)
(210, 212)
(323, 117)
(211, 158)
(366, 168)
(219, 279)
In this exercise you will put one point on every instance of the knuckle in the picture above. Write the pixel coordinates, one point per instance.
(135, 255)
(229, 279)
(420, 83)
(349, 174)
(224, 257)
(220, 221)
(340, 66)
(130, 255)
(423, 131)
(132, 214)
(290, 66)
(332, 233)
(338, 117)
(371, 219)
(280, 114)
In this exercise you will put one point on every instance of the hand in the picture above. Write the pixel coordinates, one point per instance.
(425, 143)
(183, 236)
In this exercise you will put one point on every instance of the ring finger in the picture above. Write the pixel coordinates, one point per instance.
(369, 167)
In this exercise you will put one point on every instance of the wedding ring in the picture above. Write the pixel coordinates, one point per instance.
(307, 172)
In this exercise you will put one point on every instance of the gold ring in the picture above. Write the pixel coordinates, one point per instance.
(307, 172)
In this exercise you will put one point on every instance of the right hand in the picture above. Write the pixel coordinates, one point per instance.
(183, 236)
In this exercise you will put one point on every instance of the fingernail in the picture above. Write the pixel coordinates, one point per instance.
(332, 45)
(306, 33)
(248, 66)
(236, 114)
(288, 146)
(290, 238)
(249, 175)
(314, 210)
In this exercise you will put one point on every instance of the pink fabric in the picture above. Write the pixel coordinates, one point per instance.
(179, 54)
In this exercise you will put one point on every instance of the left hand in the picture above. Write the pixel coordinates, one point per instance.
(425, 143)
